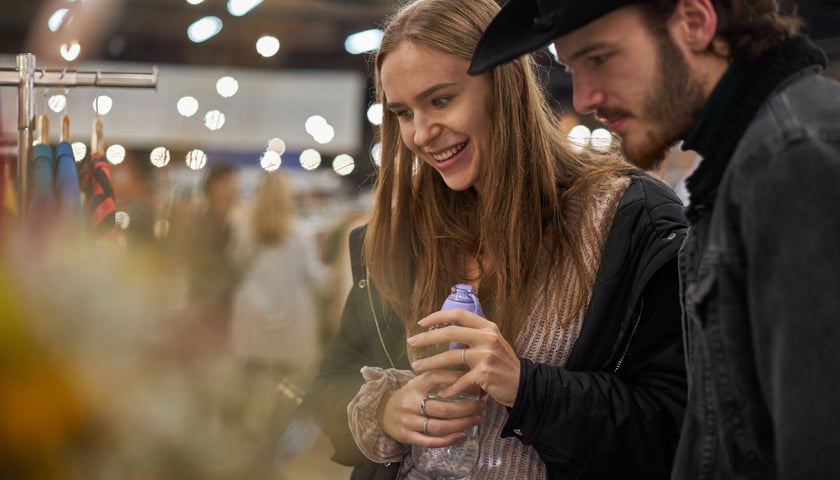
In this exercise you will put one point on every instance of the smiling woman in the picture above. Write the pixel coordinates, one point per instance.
(478, 185)
(443, 113)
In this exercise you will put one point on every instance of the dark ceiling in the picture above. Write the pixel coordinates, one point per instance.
(311, 32)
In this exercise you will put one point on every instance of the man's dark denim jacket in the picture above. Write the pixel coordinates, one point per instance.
(760, 279)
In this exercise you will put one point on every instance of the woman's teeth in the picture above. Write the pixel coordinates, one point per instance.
(440, 157)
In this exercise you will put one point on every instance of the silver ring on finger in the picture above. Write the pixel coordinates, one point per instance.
(464, 356)
(423, 408)
(426, 426)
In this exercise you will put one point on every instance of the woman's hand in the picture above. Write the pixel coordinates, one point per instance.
(493, 364)
(409, 416)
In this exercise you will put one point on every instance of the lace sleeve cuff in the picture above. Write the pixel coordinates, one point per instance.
(362, 410)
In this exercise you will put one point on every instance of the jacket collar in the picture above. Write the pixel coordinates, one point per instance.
(726, 116)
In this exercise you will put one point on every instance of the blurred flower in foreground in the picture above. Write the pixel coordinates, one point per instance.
(42, 413)
(101, 378)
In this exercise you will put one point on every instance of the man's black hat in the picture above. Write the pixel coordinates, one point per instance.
(523, 26)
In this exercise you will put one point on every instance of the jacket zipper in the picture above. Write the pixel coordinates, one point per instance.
(632, 333)
(376, 320)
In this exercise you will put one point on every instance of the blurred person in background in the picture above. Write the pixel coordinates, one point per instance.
(275, 324)
(332, 241)
(573, 256)
(739, 83)
(212, 272)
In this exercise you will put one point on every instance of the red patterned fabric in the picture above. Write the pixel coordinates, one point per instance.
(100, 205)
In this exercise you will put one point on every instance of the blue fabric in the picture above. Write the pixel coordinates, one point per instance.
(68, 195)
(41, 178)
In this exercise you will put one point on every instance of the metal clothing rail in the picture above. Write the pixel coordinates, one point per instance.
(26, 77)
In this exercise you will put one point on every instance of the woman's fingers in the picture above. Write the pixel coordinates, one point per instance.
(436, 432)
(427, 421)
(450, 360)
(442, 409)
(454, 315)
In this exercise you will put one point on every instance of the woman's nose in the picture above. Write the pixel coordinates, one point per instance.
(426, 129)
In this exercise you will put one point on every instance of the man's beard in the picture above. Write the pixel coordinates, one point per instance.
(671, 107)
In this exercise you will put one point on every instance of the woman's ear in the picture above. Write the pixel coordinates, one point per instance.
(695, 22)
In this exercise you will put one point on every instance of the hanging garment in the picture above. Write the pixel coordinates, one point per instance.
(100, 206)
(41, 199)
(68, 195)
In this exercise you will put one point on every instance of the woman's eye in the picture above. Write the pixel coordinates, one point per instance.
(402, 114)
(440, 102)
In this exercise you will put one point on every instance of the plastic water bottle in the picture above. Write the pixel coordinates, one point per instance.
(457, 460)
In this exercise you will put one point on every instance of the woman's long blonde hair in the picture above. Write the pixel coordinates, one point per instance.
(420, 229)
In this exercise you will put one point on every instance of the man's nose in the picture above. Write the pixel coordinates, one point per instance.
(587, 96)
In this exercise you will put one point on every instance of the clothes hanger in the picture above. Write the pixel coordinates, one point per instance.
(44, 122)
(97, 141)
(65, 119)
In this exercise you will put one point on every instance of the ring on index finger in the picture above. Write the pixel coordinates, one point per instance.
(426, 426)
(464, 356)
(423, 407)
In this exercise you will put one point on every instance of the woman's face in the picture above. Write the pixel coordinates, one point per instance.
(443, 113)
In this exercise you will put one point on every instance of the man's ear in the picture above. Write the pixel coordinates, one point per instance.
(695, 21)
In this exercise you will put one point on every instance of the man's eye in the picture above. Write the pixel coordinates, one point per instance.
(599, 59)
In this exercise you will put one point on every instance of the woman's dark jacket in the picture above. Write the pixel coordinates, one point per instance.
(614, 410)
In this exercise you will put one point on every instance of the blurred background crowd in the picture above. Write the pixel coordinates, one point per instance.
(183, 357)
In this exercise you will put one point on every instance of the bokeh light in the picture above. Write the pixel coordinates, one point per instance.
(270, 160)
(196, 159)
(159, 157)
(115, 154)
(310, 159)
(343, 164)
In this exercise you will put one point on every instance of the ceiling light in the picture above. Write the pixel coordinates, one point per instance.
(56, 19)
(237, 8)
(268, 46)
(196, 159)
(270, 161)
(57, 103)
(376, 153)
(579, 137)
(204, 29)
(70, 51)
(187, 106)
(102, 104)
(601, 139)
(314, 123)
(277, 144)
(365, 41)
(79, 151)
(115, 154)
(374, 114)
(214, 119)
(324, 135)
(310, 159)
(160, 157)
(343, 164)
(227, 86)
